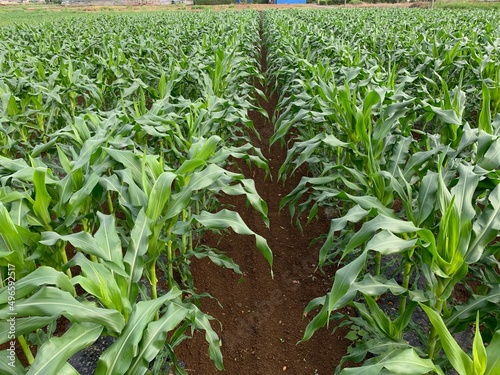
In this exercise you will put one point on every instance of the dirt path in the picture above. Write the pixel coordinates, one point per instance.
(262, 318)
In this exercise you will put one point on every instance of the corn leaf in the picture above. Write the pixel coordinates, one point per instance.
(230, 219)
(54, 353)
(155, 337)
(41, 276)
(50, 301)
(457, 357)
(119, 356)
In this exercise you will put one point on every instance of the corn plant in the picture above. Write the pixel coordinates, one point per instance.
(114, 152)
(393, 140)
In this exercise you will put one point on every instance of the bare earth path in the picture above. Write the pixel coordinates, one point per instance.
(262, 318)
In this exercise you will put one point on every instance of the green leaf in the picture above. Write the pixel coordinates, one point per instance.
(107, 239)
(24, 326)
(42, 197)
(78, 199)
(380, 222)
(202, 322)
(485, 228)
(396, 361)
(376, 286)
(457, 357)
(134, 257)
(99, 281)
(408, 362)
(466, 312)
(159, 196)
(248, 189)
(493, 355)
(204, 148)
(484, 122)
(50, 301)
(426, 197)
(478, 351)
(448, 116)
(54, 353)
(155, 337)
(230, 219)
(6, 368)
(219, 259)
(41, 276)
(354, 215)
(339, 296)
(129, 160)
(118, 357)
(81, 240)
(385, 242)
(11, 248)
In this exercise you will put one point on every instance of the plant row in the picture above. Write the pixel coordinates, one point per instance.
(396, 115)
(118, 136)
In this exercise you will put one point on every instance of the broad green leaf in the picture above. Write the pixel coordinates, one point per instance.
(41, 276)
(448, 116)
(493, 355)
(54, 353)
(202, 322)
(50, 301)
(385, 242)
(377, 285)
(24, 326)
(339, 296)
(6, 368)
(107, 239)
(129, 160)
(230, 219)
(485, 228)
(12, 247)
(134, 257)
(159, 196)
(426, 196)
(89, 147)
(478, 351)
(408, 362)
(99, 281)
(219, 259)
(354, 215)
(119, 356)
(396, 361)
(204, 148)
(81, 240)
(247, 187)
(42, 197)
(457, 357)
(155, 338)
(380, 222)
(77, 200)
(465, 312)
(484, 122)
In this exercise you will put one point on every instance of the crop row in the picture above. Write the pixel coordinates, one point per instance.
(396, 115)
(118, 136)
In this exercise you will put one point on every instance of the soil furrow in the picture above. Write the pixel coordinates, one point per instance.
(262, 318)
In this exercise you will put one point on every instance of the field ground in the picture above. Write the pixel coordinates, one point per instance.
(262, 317)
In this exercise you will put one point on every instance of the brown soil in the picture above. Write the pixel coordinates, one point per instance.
(262, 318)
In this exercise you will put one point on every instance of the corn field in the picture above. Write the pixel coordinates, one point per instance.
(120, 135)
